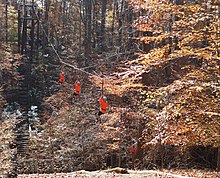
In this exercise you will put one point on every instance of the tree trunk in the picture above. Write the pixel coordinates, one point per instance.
(38, 30)
(103, 45)
(45, 26)
(218, 159)
(130, 21)
(24, 32)
(120, 18)
(88, 26)
(63, 14)
(19, 29)
(218, 29)
(6, 21)
(94, 25)
(32, 29)
(113, 24)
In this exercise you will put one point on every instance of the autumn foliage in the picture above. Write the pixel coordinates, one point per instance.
(179, 64)
(159, 61)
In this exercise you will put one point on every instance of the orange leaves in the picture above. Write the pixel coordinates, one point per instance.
(156, 38)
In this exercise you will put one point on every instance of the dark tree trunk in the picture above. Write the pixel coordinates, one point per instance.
(32, 29)
(113, 24)
(94, 25)
(130, 21)
(218, 159)
(6, 21)
(120, 22)
(103, 43)
(88, 26)
(120, 15)
(218, 50)
(45, 26)
(24, 32)
(63, 17)
(19, 29)
(38, 30)
(97, 29)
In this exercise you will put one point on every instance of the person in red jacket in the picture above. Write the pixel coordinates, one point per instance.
(103, 106)
(62, 78)
(77, 88)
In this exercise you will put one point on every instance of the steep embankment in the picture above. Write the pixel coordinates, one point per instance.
(180, 96)
(153, 107)
(70, 139)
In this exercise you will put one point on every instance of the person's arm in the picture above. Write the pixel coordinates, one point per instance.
(75, 83)
(100, 100)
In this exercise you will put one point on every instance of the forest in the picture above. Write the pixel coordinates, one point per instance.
(154, 63)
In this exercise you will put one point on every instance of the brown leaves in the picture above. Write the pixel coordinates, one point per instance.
(6, 140)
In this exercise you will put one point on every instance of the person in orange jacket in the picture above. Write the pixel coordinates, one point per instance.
(104, 105)
(77, 88)
(62, 78)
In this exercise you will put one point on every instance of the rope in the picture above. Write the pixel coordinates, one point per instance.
(102, 87)
(58, 56)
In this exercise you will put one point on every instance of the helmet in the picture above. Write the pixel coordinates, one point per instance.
(104, 98)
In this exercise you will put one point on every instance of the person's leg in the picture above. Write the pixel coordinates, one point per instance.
(98, 114)
(74, 97)
(75, 94)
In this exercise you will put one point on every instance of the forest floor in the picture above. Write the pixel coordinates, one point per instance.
(130, 174)
(72, 138)
(67, 138)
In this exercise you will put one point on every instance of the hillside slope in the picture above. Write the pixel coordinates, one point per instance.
(167, 115)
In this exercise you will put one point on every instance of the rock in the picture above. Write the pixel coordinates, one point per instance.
(118, 170)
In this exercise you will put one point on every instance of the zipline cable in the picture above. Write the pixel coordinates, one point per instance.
(58, 56)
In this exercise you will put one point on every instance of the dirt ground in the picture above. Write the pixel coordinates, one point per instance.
(114, 173)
